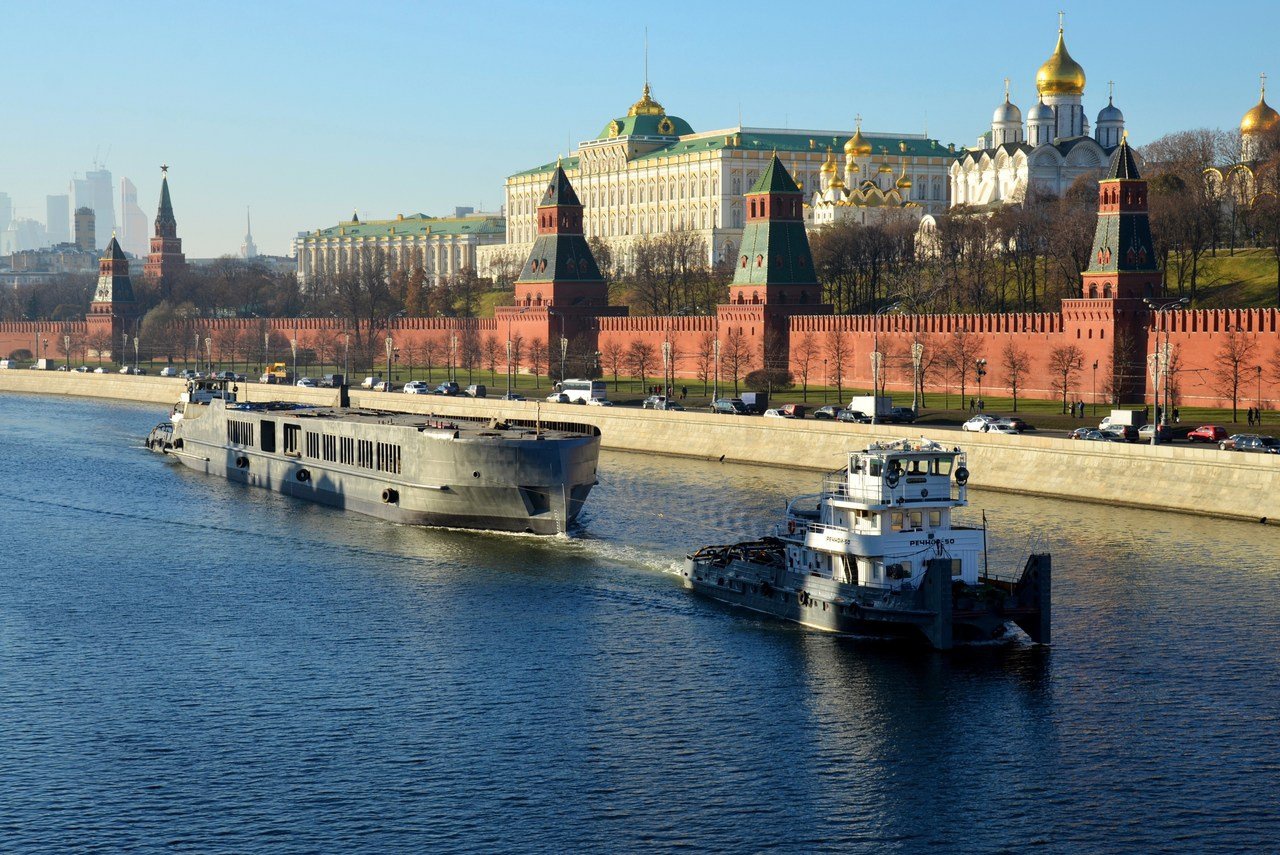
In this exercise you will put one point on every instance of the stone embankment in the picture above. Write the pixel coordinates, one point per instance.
(1200, 480)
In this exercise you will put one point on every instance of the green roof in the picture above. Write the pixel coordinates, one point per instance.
(774, 179)
(781, 142)
(646, 126)
(416, 224)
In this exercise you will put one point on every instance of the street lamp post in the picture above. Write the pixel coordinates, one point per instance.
(346, 358)
(875, 362)
(386, 386)
(1161, 361)
(135, 354)
(208, 349)
(197, 354)
(66, 346)
(917, 359)
(1093, 388)
(453, 357)
(980, 371)
(826, 380)
(124, 350)
(266, 351)
(1258, 368)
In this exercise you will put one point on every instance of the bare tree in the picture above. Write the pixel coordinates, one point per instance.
(737, 356)
(960, 353)
(1065, 363)
(705, 358)
(803, 359)
(1231, 362)
(838, 354)
(640, 360)
(614, 356)
(491, 351)
(1016, 364)
(432, 350)
(537, 359)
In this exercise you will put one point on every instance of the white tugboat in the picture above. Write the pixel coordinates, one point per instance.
(876, 552)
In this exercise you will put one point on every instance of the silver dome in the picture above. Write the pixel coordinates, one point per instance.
(1110, 113)
(1041, 112)
(1007, 113)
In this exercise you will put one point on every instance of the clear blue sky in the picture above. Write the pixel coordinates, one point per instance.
(306, 110)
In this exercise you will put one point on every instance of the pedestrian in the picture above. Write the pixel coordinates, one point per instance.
(1177, 417)
(684, 392)
(1249, 415)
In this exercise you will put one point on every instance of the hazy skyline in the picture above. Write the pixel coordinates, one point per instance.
(308, 111)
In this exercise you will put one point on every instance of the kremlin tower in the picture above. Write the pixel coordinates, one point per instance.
(166, 259)
(113, 310)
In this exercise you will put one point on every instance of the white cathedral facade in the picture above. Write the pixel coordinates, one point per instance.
(1048, 152)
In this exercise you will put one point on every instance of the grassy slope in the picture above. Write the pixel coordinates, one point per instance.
(1244, 280)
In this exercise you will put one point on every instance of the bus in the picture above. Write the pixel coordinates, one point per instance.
(580, 391)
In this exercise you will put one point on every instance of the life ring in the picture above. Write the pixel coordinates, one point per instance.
(962, 476)
(891, 476)
(242, 462)
(303, 475)
(390, 496)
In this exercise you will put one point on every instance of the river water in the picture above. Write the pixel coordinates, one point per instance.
(189, 665)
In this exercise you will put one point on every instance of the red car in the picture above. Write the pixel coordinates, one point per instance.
(1207, 433)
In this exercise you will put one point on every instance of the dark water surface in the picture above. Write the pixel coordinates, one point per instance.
(188, 665)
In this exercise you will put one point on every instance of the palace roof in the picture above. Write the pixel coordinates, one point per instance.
(415, 224)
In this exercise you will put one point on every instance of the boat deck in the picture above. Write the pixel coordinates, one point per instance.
(464, 427)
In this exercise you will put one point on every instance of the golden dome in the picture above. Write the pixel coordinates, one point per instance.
(829, 165)
(857, 144)
(885, 169)
(646, 106)
(1060, 74)
(903, 181)
(1261, 118)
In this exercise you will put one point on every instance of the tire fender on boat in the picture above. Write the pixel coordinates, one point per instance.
(390, 496)
(962, 476)
(242, 462)
(303, 475)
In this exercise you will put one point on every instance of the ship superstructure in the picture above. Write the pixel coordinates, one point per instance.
(877, 551)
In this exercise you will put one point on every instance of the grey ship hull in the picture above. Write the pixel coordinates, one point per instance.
(465, 479)
(938, 612)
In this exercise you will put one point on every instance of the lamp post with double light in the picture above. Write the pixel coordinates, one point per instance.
(980, 371)
(876, 359)
(1160, 359)
(1093, 388)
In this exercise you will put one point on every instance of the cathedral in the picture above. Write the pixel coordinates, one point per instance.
(867, 193)
(1237, 182)
(1048, 151)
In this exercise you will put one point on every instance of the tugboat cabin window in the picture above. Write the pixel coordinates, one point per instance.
(940, 466)
(895, 521)
(313, 444)
(915, 521)
(291, 433)
(873, 468)
(935, 519)
(268, 435)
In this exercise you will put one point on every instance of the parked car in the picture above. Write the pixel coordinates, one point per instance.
(332, 381)
(83, 369)
(477, 390)
(512, 396)
(307, 383)
(853, 416)
(134, 372)
(793, 411)
(773, 413)
(1260, 445)
(99, 370)
(1081, 433)
(559, 398)
(1165, 433)
(979, 423)
(1014, 422)
(899, 416)
(601, 402)
(416, 387)
(1001, 427)
(1095, 435)
(1123, 433)
(1207, 433)
(730, 407)
(384, 386)
(168, 371)
(448, 387)
(654, 402)
(828, 412)
(370, 382)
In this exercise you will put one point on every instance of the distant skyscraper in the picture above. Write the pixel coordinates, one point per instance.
(85, 229)
(22, 234)
(250, 249)
(6, 211)
(133, 220)
(58, 219)
(95, 191)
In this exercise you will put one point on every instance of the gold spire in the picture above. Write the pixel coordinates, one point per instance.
(1262, 117)
(1060, 74)
(829, 165)
(903, 181)
(646, 106)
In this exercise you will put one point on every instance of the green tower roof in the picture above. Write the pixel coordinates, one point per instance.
(775, 179)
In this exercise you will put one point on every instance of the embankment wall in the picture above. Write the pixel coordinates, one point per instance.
(1196, 480)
